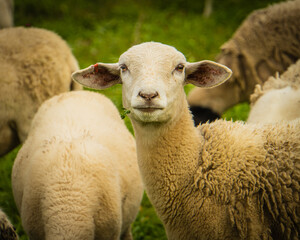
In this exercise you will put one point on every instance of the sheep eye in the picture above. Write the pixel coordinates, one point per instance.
(123, 68)
(179, 68)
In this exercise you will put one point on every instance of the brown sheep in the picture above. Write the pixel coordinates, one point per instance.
(267, 42)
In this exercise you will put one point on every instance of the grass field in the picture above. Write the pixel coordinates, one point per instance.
(100, 30)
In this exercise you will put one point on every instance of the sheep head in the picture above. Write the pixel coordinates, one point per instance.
(152, 77)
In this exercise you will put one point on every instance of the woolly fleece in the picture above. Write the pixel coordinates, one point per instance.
(76, 176)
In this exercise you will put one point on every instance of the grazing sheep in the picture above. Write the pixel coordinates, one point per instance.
(6, 13)
(278, 99)
(35, 64)
(7, 231)
(223, 180)
(76, 176)
(266, 42)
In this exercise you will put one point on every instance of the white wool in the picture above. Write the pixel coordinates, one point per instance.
(76, 176)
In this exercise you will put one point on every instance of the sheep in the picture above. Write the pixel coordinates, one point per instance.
(278, 99)
(76, 176)
(265, 43)
(6, 13)
(35, 64)
(223, 180)
(7, 231)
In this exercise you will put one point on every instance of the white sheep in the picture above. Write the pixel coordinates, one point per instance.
(222, 180)
(278, 99)
(6, 13)
(76, 176)
(7, 231)
(265, 43)
(35, 64)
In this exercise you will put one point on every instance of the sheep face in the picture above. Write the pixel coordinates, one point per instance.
(153, 76)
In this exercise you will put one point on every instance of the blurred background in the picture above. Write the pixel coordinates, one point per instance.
(101, 30)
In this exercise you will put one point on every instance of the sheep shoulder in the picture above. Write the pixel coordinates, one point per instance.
(226, 153)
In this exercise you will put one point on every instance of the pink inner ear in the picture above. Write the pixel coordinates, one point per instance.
(101, 76)
(98, 76)
(206, 75)
(203, 74)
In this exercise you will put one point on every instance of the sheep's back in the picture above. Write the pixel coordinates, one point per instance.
(290, 78)
(278, 99)
(41, 59)
(81, 115)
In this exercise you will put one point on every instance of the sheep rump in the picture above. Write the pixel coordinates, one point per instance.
(76, 176)
(35, 64)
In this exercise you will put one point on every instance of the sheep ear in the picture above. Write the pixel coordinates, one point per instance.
(206, 74)
(98, 76)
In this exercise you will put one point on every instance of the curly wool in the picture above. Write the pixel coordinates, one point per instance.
(253, 168)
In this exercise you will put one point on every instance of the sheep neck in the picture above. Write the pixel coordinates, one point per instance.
(168, 156)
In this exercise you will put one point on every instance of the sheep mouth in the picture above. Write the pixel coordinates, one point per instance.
(148, 109)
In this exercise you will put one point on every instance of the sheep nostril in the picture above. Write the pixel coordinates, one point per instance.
(148, 96)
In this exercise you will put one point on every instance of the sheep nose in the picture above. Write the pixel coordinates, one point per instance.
(148, 96)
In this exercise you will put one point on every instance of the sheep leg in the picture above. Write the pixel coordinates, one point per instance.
(127, 235)
(8, 139)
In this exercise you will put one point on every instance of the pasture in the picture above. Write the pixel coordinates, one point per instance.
(100, 30)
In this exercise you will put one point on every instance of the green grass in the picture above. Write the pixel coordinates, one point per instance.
(100, 30)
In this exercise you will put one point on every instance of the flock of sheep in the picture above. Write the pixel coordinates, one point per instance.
(80, 174)
(265, 43)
